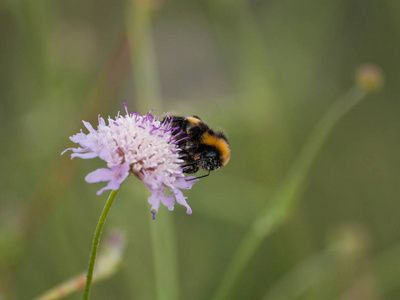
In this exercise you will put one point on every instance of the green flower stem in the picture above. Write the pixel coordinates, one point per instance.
(165, 257)
(285, 198)
(96, 240)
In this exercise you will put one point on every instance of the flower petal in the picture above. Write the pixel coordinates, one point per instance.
(89, 127)
(154, 200)
(120, 172)
(84, 155)
(112, 185)
(185, 183)
(66, 150)
(99, 175)
(181, 199)
(168, 201)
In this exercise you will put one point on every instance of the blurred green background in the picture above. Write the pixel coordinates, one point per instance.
(265, 72)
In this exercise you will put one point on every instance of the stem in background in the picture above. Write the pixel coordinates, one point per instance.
(96, 240)
(147, 90)
(165, 258)
(33, 19)
(284, 199)
(145, 73)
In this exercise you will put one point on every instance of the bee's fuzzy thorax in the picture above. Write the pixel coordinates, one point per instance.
(220, 144)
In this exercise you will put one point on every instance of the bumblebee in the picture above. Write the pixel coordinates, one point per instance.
(201, 147)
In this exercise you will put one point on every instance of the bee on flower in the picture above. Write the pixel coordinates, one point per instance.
(140, 145)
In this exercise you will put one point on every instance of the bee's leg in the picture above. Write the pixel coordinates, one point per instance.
(199, 177)
(190, 169)
(204, 175)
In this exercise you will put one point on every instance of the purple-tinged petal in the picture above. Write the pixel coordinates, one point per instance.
(112, 185)
(115, 177)
(78, 138)
(125, 106)
(120, 172)
(105, 153)
(79, 150)
(99, 192)
(89, 127)
(181, 199)
(66, 150)
(152, 184)
(168, 201)
(154, 200)
(101, 121)
(84, 155)
(185, 183)
(99, 175)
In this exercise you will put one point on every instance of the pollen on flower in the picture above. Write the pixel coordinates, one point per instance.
(139, 145)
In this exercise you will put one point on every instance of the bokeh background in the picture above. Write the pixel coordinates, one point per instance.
(265, 72)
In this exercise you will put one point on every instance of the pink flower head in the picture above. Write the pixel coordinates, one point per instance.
(140, 145)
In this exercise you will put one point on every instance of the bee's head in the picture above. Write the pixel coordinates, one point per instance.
(210, 159)
(216, 149)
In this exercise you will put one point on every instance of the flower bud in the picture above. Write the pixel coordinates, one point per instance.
(369, 78)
